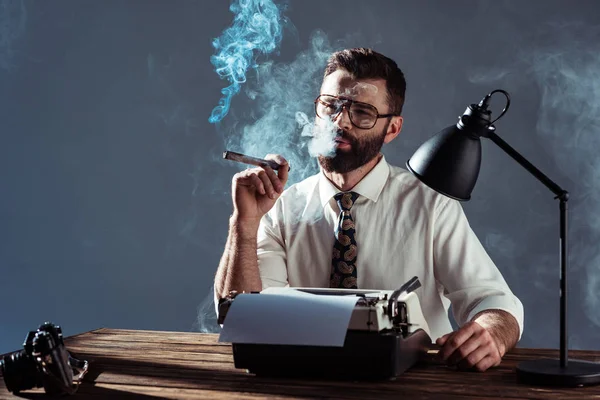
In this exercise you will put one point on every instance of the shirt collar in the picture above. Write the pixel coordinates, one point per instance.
(370, 186)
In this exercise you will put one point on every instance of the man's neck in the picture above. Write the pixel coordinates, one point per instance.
(348, 180)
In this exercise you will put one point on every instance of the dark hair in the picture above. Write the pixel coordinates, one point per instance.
(365, 63)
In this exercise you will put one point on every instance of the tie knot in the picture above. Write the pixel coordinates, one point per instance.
(346, 200)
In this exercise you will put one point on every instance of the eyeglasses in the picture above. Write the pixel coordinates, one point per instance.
(362, 115)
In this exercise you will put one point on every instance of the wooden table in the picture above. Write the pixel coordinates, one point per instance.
(174, 365)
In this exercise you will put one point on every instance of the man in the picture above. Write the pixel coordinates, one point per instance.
(363, 223)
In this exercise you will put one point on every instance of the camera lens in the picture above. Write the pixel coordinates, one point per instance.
(20, 372)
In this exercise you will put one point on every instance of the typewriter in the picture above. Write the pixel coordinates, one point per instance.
(387, 334)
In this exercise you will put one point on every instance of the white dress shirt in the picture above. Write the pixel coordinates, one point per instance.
(403, 229)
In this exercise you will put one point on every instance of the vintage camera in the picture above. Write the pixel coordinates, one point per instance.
(44, 362)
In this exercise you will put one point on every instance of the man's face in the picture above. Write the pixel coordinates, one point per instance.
(353, 147)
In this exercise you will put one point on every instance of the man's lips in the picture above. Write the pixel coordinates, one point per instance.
(342, 141)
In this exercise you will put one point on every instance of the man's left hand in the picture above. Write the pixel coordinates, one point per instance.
(471, 347)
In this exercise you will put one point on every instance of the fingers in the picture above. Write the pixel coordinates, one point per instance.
(442, 340)
(455, 340)
(259, 179)
(257, 183)
(282, 173)
(464, 351)
(270, 182)
(264, 179)
(472, 357)
(471, 347)
(480, 360)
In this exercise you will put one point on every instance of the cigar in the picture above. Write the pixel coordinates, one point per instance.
(242, 158)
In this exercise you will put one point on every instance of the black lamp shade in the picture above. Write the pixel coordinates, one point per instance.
(449, 162)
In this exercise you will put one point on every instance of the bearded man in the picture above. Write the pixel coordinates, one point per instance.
(363, 223)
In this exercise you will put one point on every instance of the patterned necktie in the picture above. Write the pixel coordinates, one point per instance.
(343, 262)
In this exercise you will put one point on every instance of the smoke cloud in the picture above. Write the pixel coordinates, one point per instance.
(565, 66)
(322, 138)
(284, 94)
(257, 27)
(569, 78)
(207, 317)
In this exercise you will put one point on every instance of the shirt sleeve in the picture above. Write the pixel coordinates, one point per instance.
(471, 280)
(271, 252)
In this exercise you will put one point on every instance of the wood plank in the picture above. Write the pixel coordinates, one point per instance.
(172, 339)
(149, 353)
(104, 391)
(142, 362)
(145, 336)
(123, 391)
(412, 383)
(136, 347)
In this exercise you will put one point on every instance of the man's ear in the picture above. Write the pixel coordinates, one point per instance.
(394, 129)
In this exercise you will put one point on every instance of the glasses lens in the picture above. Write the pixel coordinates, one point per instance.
(327, 106)
(363, 115)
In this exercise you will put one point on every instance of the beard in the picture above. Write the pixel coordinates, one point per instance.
(362, 150)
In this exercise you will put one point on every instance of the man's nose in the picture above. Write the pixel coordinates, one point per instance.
(342, 120)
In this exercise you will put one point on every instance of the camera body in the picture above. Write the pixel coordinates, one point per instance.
(43, 362)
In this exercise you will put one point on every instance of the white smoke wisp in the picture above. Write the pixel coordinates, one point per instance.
(569, 78)
(566, 69)
(284, 95)
(361, 88)
(493, 74)
(503, 243)
(207, 315)
(257, 28)
(322, 138)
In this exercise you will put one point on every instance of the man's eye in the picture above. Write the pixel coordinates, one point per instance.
(361, 113)
(329, 107)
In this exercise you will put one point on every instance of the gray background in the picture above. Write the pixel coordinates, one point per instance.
(114, 200)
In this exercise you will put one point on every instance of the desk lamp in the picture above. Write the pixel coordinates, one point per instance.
(449, 163)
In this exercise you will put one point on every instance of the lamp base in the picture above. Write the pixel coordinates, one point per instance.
(548, 372)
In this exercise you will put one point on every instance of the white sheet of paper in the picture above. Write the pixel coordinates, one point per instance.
(288, 316)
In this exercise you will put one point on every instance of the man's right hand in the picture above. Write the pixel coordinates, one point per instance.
(256, 190)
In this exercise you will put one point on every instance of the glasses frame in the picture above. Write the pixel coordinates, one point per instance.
(347, 103)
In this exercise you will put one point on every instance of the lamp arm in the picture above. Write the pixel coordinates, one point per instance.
(557, 190)
(563, 196)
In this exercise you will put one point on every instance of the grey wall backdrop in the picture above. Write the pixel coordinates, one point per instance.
(114, 201)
